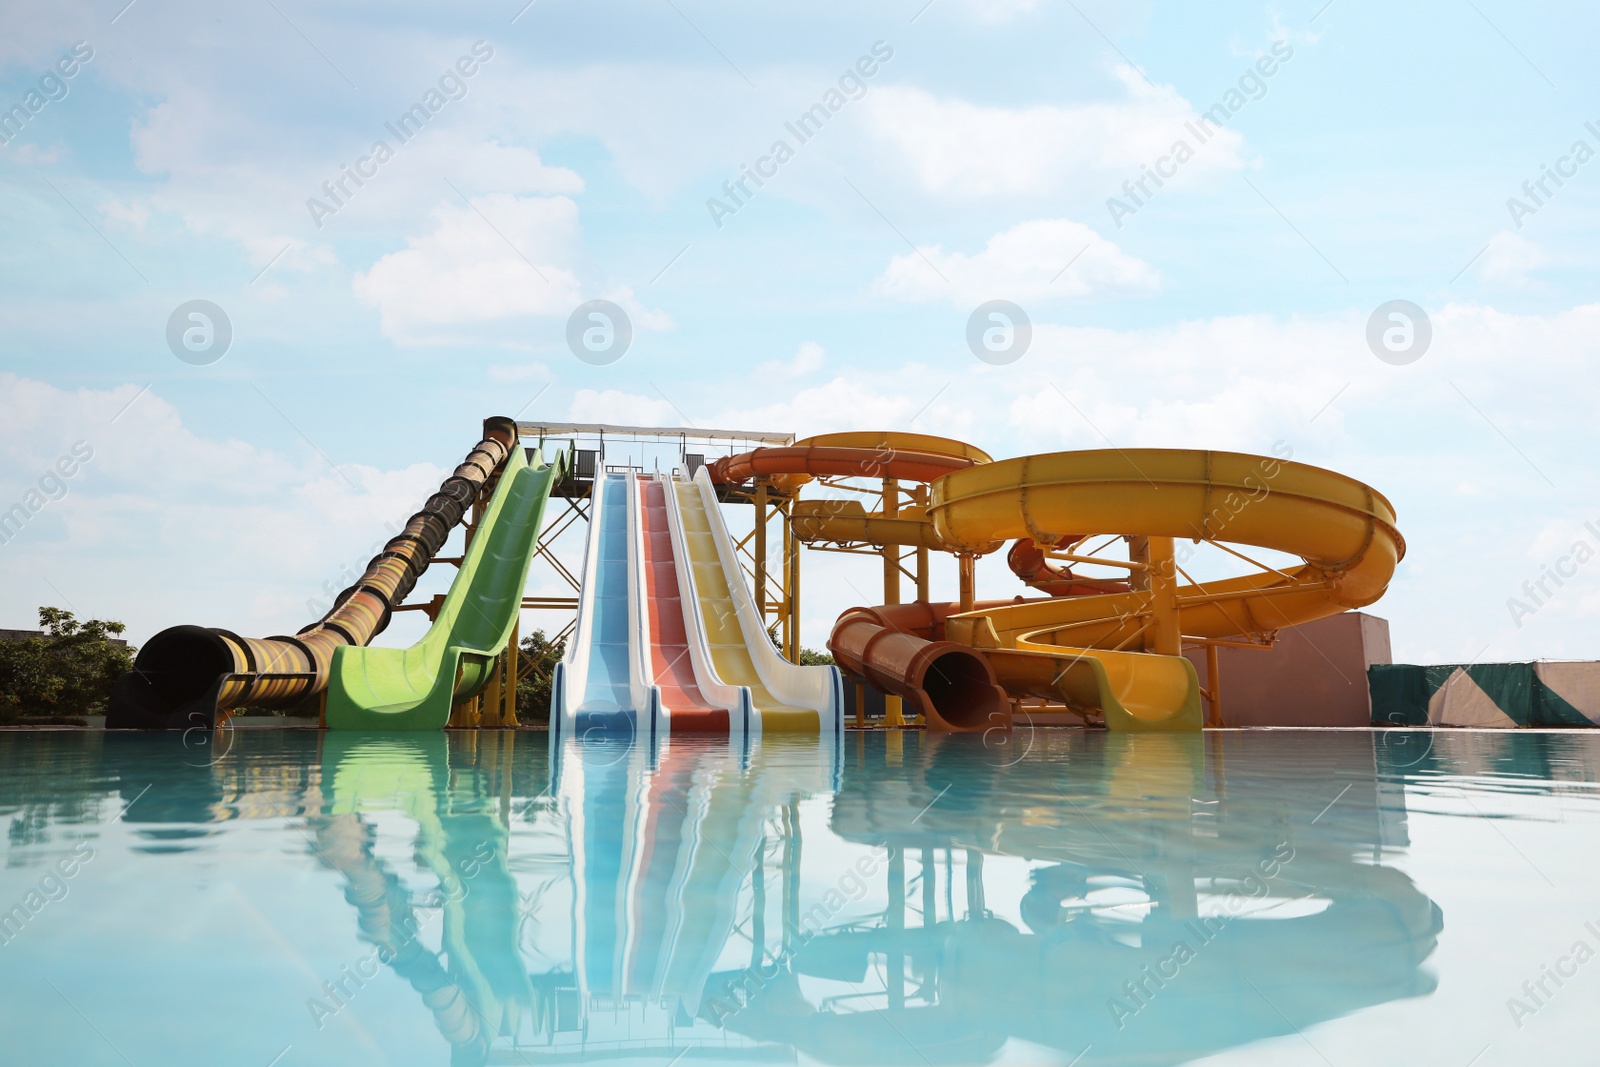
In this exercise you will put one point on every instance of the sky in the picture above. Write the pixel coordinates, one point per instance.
(1356, 154)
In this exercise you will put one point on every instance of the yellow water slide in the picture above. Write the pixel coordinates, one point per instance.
(1118, 653)
(1124, 648)
(784, 697)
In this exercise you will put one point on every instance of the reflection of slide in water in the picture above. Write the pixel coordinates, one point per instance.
(653, 912)
(1283, 918)
(484, 988)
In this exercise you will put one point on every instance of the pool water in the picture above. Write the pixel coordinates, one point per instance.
(284, 897)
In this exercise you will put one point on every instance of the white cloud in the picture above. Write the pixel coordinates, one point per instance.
(1029, 262)
(863, 402)
(473, 269)
(959, 149)
(162, 525)
(32, 154)
(1511, 258)
(132, 214)
(643, 318)
(621, 409)
(808, 359)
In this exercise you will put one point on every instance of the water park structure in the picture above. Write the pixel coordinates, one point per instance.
(680, 626)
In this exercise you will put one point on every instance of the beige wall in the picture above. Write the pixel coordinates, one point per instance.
(1316, 675)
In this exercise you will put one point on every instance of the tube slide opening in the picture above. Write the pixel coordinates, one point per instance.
(960, 686)
(183, 662)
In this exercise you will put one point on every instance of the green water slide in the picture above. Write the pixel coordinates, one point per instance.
(413, 688)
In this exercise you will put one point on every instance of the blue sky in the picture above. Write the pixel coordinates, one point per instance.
(1229, 311)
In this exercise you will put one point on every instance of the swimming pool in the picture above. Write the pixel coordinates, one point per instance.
(1271, 897)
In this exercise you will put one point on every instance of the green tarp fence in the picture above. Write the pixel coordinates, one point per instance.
(1505, 695)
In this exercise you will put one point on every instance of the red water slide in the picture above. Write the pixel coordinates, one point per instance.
(669, 640)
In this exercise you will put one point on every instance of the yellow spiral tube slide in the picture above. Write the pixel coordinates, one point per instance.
(1120, 651)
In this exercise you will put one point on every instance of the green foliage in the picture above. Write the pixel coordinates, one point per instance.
(533, 692)
(67, 671)
(809, 657)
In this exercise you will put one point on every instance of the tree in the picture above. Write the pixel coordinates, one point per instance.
(533, 691)
(66, 671)
(809, 657)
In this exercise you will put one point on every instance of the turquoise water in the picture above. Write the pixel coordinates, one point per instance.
(289, 897)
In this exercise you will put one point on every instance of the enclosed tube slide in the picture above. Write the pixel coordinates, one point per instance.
(1029, 562)
(1070, 648)
(184, 675)
(896, 648)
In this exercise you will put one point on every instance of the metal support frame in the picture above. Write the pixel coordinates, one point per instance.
(887, 499)
(777, 595)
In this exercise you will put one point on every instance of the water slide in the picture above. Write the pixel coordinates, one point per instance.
(668, 638)
(730, 633)
(1075, 647)
(1107, 646)
(599, 683)
(185, 676)
(693, 698)
(414, 688)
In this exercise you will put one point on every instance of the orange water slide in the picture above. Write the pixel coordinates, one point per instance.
(894, 647)
(900, 649)
(911, 457)
(1028, 561)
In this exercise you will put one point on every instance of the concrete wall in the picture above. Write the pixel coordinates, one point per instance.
(1316, 675)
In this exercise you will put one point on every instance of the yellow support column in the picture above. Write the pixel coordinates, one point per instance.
(968, 564)
(1165, 637)
(761, 549)
(919, 496)
(791, 592)
(489, 698)
(1214, 690)
(893, 713)
(1157, 576)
